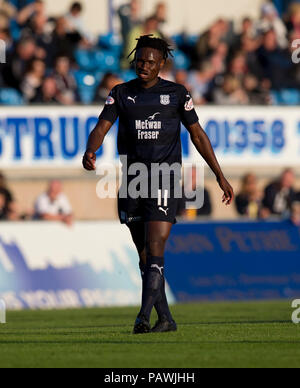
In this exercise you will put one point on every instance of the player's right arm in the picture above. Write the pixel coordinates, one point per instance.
(107, 118)
(95, 141)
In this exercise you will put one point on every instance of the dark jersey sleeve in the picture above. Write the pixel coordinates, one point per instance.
(111, 110)
(187, 110)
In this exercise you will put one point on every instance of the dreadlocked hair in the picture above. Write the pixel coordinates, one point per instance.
(155, 43)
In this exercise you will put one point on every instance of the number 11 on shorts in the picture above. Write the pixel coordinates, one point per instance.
(166, 195)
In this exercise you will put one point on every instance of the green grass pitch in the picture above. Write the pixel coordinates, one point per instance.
(209, 335)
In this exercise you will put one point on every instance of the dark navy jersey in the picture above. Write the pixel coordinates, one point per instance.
(150, 120)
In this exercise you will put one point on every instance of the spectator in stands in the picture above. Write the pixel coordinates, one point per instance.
(181, 77)
(6, 37)
(46, 93)
(202, 82)
(231, 92)
(275, 63)
(161, 12)
(149, 27)
(247, 31)
(249, 201)
(53, 205)
(210, 40)
(193, 214)
(7, 203)
(250, 46)
(295, 213)
(256, 93)
(270, 20)
(32, 8)
(279, 196)
(7, 12)
(65, 82)
(63, 43)
(238, 66)
(293, 22)
(219, 58)
(75, 23)
(108, 82)
(17, 63)
(33, 79)
(41, 31)
(130, 17)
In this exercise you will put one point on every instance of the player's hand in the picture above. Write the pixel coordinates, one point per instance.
(89, 161)
(227, 189)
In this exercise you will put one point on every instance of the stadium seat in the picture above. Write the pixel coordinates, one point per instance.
(285, 97)
(86, 95)
(181, 61)
(10, 96)
(192, 40)
(111, 42)
(275, 97)
(15, 30)
(106, 61)
(87, 84)
(290, 97)
(99, 76)
(85, 60)
(178, 40)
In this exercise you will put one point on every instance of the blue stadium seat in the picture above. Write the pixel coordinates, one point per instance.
(99, 76)
(86, 95)
(106, 61)
(275, 97)
(111, 42)
(10, 96)
(285, 97)
(290, 97)
(87, 84)
(181, 61)
(192, 40)
(85, 60)
(84, 78)
(15, 30)
(178, 39)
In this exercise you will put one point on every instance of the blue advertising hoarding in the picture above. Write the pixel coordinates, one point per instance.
(234, 261)
(56, 137)
(94, 264)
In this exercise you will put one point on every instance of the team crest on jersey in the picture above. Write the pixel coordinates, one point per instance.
(110, 100)
(165, 99)
(189, 105)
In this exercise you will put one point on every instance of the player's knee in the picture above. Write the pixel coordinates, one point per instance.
(156, 246)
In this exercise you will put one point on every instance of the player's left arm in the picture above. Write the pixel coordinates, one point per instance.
(204, 147)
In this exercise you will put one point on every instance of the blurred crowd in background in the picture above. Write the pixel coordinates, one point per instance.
(57, 61)
(279, 200)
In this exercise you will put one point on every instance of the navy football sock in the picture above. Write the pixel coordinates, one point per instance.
(161, 305)
(152, 284)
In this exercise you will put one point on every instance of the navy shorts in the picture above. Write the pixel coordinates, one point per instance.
(161, 205)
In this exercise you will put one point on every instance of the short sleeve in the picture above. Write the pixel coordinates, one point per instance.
(42, 205)
(110, 111)
(64, 205)
(187, 110)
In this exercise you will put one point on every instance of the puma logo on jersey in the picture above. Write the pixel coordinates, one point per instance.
(164, 211)
(159, 268)
(151, 118)
(132, 99)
